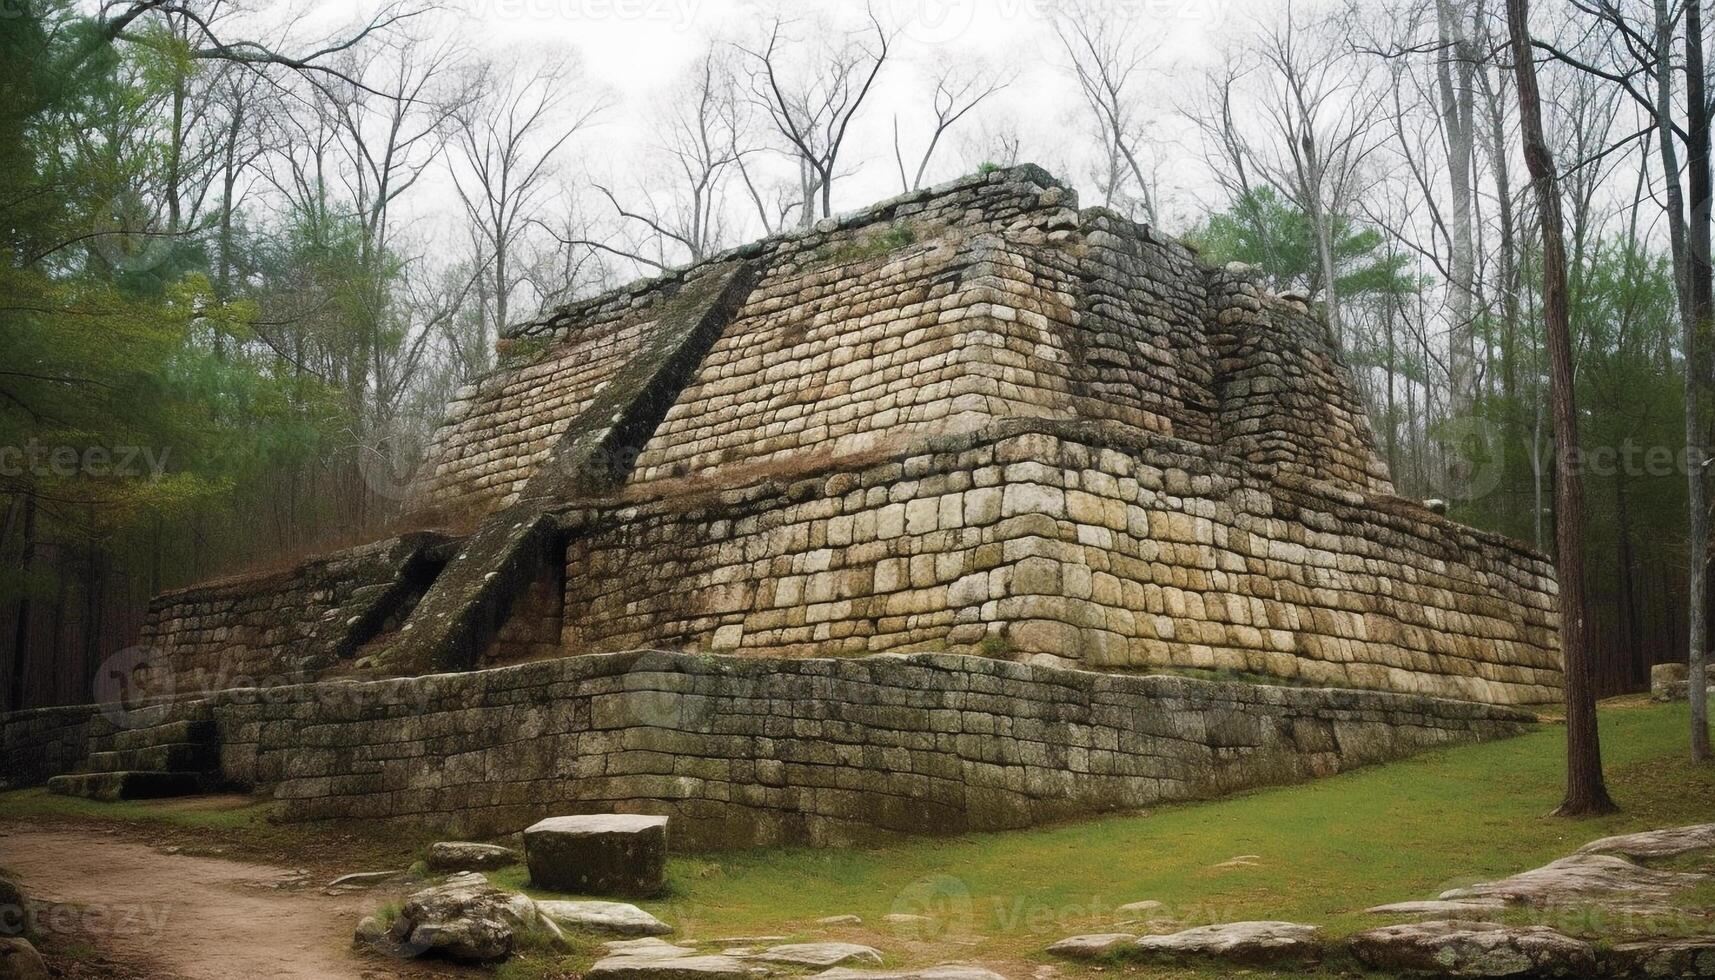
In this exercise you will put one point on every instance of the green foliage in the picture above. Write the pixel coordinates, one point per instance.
(988, 167)
(1631, 399)
(1262, 230)
(870, 246)
(252, 382)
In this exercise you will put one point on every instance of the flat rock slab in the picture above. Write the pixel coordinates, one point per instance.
(1663, 958)
(365, 879)
(128, 785)
(1234, 942)
(599, 854)
(646, 947)
(840, 920)
(1604, 878)
(642, 966)
(1444, 909)
(466, 856)
(820, 954)
(615, 918)
(1093, 947)
(1668, 842)
(946, 971)
(1453, 948)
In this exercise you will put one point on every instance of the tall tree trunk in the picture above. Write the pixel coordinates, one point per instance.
(1585, 790)
(1453, 72)
(1702, 290)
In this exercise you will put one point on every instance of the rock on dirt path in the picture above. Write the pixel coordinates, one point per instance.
(191, 918)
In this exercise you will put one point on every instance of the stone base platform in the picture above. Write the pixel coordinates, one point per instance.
(749, 751)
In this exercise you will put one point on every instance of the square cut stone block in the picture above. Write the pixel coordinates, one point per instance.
(598, 854)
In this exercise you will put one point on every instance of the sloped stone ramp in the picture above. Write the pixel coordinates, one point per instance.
(469, 602)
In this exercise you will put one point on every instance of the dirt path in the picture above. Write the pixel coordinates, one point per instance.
(189, 918)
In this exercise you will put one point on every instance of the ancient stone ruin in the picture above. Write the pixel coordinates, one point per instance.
(1041, 456)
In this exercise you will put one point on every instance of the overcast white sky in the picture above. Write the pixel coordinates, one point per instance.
(633, 50)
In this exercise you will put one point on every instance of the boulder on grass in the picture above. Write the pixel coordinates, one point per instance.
(464, 919)
(945, 971)
(820, 954)
(1454, 948)
(1234, 942)
(466, 856)
(1665, 843)
(652, 959)
(20, 961)
(1093, 947)
(1677, 958)
(599, 854)
(1607, 879)
(1669, 682)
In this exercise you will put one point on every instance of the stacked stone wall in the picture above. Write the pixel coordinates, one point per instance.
(293, 622)
(1205, 493)
(1285, 397)
(1084, 543)
(499, 429)
(748, 751)
(38, 744)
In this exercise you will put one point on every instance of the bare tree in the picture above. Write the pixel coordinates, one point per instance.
(960, 86)
(507, 141)
(814, 113)
(1455, 75)
(1108, 58)
(704, 134)
(200, 27)
(1586, 792)
(1312, 133)
(1636, 56)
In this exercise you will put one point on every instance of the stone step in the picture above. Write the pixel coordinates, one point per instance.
(171, 757)
(130, 785)
(200, 730)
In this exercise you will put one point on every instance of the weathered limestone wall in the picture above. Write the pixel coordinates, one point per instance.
(751, 751)
(301, 620)
(935, 312)
(1284, 395)
(40, 743)
(1202, 491)
(1092, 545)
(499, 429)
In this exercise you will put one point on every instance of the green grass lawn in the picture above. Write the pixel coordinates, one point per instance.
(1323, 850)
(1320, 852)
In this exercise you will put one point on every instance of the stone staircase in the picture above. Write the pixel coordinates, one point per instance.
(180, 757)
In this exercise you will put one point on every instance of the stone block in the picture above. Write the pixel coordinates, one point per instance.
(598, 854)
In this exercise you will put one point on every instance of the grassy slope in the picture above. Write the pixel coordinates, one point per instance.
(1324, 851)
